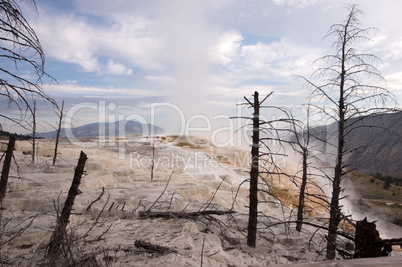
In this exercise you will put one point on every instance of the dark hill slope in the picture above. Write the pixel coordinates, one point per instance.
(378, 139)
(381, 144)
(117, 129)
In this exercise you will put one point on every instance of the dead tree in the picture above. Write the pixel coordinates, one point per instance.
(60, 115)
(262, 160)
(59, 111)
(33, 131)
(20, 47)
(253, 212)
(6, 168)
(56, 241)
(350, 88)
(301, 144)
(303, 185)
(153, 161)
(301, 134)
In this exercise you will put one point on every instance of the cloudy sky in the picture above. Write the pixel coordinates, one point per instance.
(118, 57)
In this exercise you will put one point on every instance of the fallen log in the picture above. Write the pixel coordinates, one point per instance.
(153, 248)
(90, 258)
(393, 242)
(182, 215)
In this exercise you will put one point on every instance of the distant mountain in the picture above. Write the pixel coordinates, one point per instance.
(131, 128)
(379, 146)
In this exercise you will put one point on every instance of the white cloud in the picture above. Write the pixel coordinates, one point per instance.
(135, 40)
(296, 3)
(227, 47)
(69, 39)
(394, 49)
(235, 94)
(395, 81)
(73, 89)
(279, 60)
(199, 47)
(164, 79)
(118, 68)
(73, 39)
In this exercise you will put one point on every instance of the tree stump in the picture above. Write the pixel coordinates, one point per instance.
(6, 167)
(368, 242)
(58, 238)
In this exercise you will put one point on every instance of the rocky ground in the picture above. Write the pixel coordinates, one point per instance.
(185, 178)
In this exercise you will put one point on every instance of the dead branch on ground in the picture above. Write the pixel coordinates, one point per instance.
(15, 231)
(182, 215)
(154, 248)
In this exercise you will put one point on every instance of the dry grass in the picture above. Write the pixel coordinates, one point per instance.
(372, 188)
(376, 199)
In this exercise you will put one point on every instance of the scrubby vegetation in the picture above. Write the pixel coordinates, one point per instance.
(4, 135)
(388, 179)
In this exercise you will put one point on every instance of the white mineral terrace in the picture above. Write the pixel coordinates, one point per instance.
(112, 223)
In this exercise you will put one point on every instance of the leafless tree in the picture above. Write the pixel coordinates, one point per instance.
(60, 115)
(20, 51)
(60, 124)
(33, 131)
(309, 172)
(265, 132)
(301, 144)
(349, 86)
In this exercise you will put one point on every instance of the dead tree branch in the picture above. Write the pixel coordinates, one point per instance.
(101, 194)
(154, 248)
(182, 215)
(164, 190)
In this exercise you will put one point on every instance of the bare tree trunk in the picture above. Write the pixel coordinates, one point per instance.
(334, 215)
(268, 165)
(58, 133)
(57, 238)
(153, 161)
(6, 168)
(33, 131)
(253, 212)
(303, 185)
